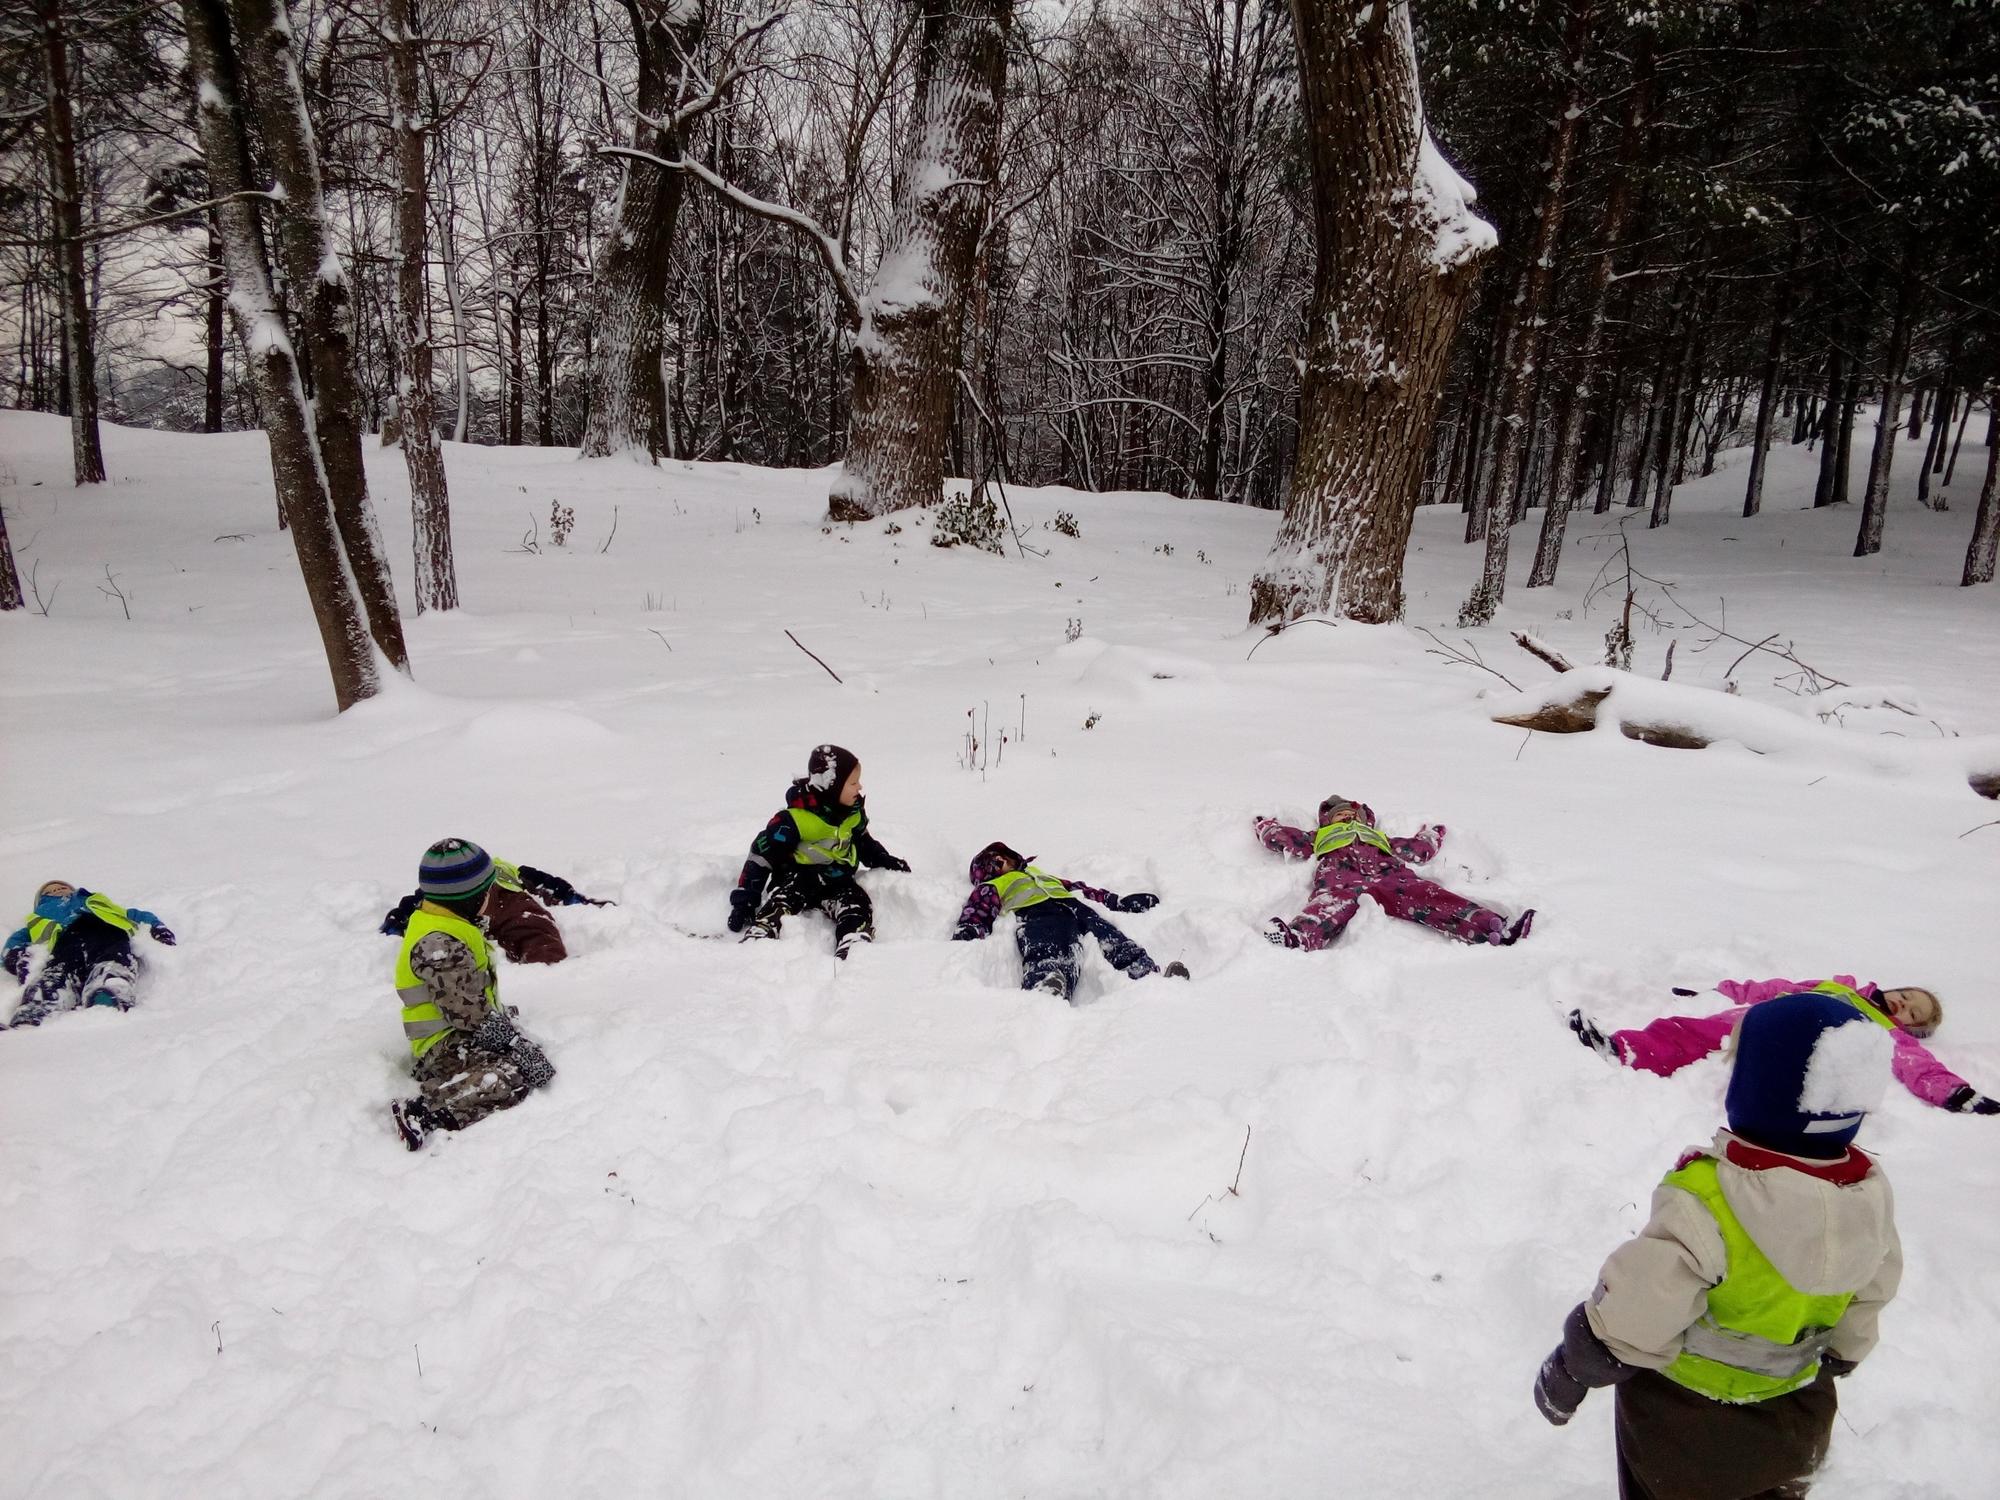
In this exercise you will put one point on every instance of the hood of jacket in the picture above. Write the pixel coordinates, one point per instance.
(1824, 1237)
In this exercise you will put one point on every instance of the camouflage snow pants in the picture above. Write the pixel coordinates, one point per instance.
(465, 1082)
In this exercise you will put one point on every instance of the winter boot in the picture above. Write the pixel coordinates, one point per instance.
(415, 1120)
(1520, 928)
(848, 942)
(1588, 1033)
(109, 997)
(1175, 970)
(759, 927)
(1281, 933)
(1052, 984)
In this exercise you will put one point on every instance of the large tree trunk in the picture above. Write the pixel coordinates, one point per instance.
(217, 296)
(1875, 499)
(625, 377)
(317, 284)
(903, 358)
(1985, 543)
(10, 580)
(430, 503)
(295, 465)
(1515, 432)
(1399, 250)
(1774, 359)
(1575, 398)
(66, 194)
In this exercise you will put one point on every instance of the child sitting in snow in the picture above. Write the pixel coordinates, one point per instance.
(466, 1055)
(1052, 922)
(806, 857)
(514, 914)
(1356, 859)
(90, 951)
(1758, 1279)
(1669, 1044)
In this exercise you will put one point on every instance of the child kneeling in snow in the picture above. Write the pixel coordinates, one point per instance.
(466, 1055)
(805, 858)
(1053, 922)
(1669, 1044)
(90, 951)
(1356, 859)
(515, 917)
(1758, 1279)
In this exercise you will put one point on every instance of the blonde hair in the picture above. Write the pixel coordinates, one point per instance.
(1926, 1010)
(55, 888)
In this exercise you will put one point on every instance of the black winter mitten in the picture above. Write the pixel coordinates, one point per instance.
(739, 910)
(1967, 1100)
(1557, 1392)
(16, 962)
(536, 1069)
(495, 1034)
(893, 863)
(1137, 901)
(164, 935)
(1837, 1367)
(967, 935)
(1685, 992)
(397, 922)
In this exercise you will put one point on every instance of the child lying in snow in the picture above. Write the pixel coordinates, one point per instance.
(1672, 1042)
(1356, 860)
(1052, 922)
(514, 917)
(90, 951)
(466, 1055)
(1758, 1280)
(804, 859)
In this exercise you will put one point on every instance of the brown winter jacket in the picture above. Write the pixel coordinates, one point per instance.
(1823, 1238)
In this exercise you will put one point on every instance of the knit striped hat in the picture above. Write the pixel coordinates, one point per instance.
(454, 870)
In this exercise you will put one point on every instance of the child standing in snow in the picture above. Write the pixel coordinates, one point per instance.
(1759, 1278)
(1356, 859)
(466, 1055)
(514, 915)
(90, 951)
(1053, 922)
(806, 857)
(1669, 1044)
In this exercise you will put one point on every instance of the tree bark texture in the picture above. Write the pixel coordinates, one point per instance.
(1875, 498)
(628, 305)
(904, 355)
(318, 289)
(1774, 359)
(1399, 252)
(66, 193)
(1979, 553)
(10, 579)
(214, 69)
(416, 401)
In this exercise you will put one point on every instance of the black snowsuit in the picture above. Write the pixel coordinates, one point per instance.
(776, 882)
(1049, 934)
(89, 957)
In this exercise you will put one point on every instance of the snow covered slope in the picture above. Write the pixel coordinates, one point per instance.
(894, 1228)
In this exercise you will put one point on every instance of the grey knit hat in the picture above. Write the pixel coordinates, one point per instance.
(454, 870)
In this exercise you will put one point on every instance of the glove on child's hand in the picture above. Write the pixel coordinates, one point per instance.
(16, 962)
(164, 935)
(1837, 1367)
(893, 863)
(967, 935)
(739, 911)
(1557, 1392)
(1137, 901)
(1967, 1100)
(536, 1070)
(1434, 832)
(1685, 993)
(495, 1034)
(579, 899)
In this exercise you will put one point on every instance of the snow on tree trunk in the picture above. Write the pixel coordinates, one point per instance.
(317, 285)
(65, 191)
(1529, 299)
(253, 303)
(903, 358)
(1399, 250)
(1985, 543)
(10, 580)
(416, 401)
(1875, 499)
(628, 312)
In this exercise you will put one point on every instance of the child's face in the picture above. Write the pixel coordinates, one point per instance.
(850, 789)
(1908, 1008)
(55, 890)
(1008, 863)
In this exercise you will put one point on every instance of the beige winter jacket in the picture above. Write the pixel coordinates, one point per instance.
(1822, 1238)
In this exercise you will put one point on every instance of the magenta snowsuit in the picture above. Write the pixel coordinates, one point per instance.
(1344, 875)
(1672, 1042)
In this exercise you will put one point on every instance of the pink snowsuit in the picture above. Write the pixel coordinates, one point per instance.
(1672, 1042)
(1344, 875)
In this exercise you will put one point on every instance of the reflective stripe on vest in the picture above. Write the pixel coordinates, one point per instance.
(824, 843)
(1332, 836)
(42, 929)
(47, 930)
(1854, 998)
(1029, 887)
(506, 876)
(1759, 1337)
(424, 1022)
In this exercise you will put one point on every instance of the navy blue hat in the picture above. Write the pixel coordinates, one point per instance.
(1808, 1069)
(454, 870)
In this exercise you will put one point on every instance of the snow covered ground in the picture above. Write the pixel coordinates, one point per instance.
(895, 1228)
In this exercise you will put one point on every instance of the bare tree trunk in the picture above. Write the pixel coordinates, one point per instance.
(1829, 417)
(904, 356)
(625, 375)
(218, 291)
(1980, 552)
(1399, 250)
(66, 194)
(1964, 419)
(430, 503)
(318, 285)
(295, 466)
(10, 580)
(1774, 358)
(1875, 499)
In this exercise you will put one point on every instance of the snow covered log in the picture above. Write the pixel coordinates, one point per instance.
(1691, 718)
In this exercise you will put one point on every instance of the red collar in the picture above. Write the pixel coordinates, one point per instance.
(1844, 1172)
